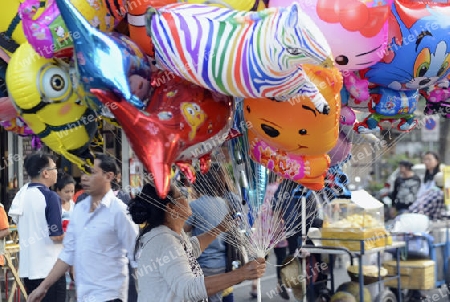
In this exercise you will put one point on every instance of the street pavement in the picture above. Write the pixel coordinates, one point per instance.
(269, 284)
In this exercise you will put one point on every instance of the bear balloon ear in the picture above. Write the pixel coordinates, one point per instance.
(292, 19)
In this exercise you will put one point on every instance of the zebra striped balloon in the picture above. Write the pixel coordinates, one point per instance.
(243, 54)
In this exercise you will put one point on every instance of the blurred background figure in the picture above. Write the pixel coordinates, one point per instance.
(405, 189)
(433, 166)
(65, 188)
(431, 203)
(208, 210)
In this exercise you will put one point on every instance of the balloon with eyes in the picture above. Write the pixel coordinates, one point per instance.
(292, 138)
(390, 105)
(249, 64)
(182, 121)
(44, 97)
(355, 29)
(418, 54)
(108, 61)
(135, 14)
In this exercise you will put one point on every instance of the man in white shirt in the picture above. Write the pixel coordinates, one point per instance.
(99, 236)
(37, 212)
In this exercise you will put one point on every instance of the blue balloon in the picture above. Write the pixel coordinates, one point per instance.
(104, 61)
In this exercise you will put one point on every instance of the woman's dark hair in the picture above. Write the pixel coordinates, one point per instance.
(429, 176)
(64, 180)
(149, 209)
(35, 163)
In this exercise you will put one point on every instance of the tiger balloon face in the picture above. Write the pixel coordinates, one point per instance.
(44, 96)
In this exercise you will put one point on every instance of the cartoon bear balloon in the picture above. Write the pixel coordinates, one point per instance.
(293, 138)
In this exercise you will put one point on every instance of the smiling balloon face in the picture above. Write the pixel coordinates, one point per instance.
(296, 126)
(44, 96)
(361, 24)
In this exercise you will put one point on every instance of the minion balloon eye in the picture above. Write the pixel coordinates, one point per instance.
(55, 85)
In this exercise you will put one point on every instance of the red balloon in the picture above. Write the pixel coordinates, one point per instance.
(182, 121)
(354, 16)
(327, 13)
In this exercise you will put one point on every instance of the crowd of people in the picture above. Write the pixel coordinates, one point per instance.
(99, 244)
(411, 194)
(102, 245)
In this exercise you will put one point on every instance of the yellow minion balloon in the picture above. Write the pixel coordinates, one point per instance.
(43, 94)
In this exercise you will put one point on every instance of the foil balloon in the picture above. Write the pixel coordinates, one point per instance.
(341, 150)
(107, 61)
(336, 182)
(292, 139)
(49, 35)
(437, 102)
(390, 105)
(182, 122)
(187, 43)
(136, 15)
(361, 24)
(418, 53)
(11, 29)
(7, 109)
(357, 88)
(43, 94)
(17, 125)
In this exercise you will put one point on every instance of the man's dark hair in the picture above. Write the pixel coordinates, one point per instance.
(407, 164)
(107, 163)
(35, 163)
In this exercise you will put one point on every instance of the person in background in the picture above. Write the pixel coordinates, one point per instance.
(433, 166)
(37, 212)
(125, 197)
(4, 232)
(100, 236)
(208, 210)
(181, 278)
(280, 248)
(405, 189)
(431, 203)
(65, 187)
(117, 189)
(82, 194)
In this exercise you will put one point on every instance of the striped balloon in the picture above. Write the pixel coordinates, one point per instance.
(243, 54)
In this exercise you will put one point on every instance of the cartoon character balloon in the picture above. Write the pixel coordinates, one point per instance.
(182, 121)
(44, 96)
(49, 35)
(107, 61)
(293, 138)
(418, 54)
(390, 105)
(136, 15)
(356, 30)
(11, 25)
(249, 64)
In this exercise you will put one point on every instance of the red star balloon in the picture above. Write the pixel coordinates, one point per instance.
(182, 121)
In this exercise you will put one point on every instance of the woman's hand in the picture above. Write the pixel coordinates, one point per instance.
(254, 269)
